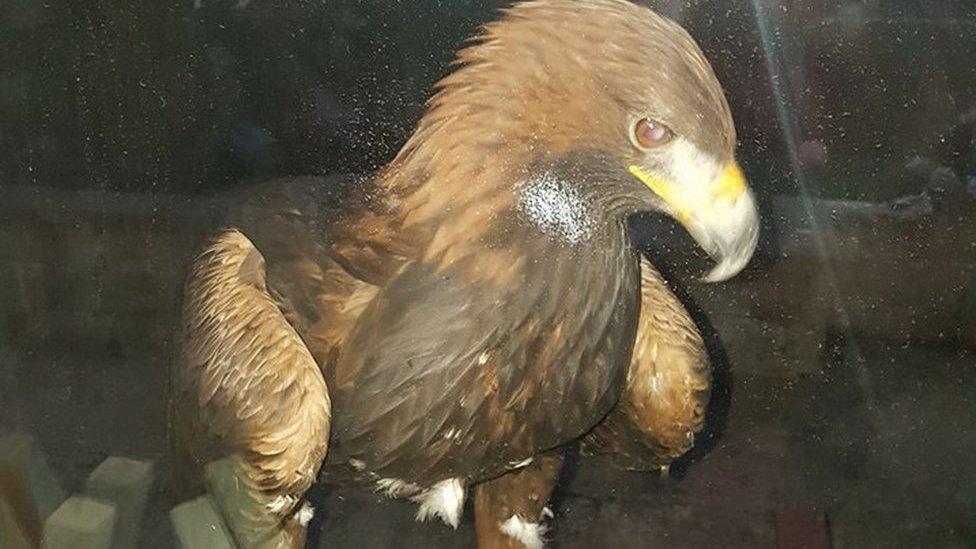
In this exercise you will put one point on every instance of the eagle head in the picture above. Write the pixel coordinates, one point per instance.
(619, 101)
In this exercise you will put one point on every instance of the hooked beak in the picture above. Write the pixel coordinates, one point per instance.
(719, 214)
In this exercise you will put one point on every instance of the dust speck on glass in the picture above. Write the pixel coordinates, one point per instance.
(556, 208)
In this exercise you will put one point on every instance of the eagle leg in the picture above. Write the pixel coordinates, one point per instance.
(250, 408)
(509, 510)
(668, 386)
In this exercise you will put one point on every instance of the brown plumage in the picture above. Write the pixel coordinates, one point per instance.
(248, 386)
(454, 319)
(522, 494)
(668, 385)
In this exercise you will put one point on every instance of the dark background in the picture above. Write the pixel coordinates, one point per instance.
(844, 355)
(168, 97)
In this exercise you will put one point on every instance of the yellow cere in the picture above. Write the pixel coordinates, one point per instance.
(726, 188)
(662, 188)
(731, 184)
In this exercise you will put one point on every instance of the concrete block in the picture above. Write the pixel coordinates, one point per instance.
(28, 483)
(243, 507)
(198, 525)
(80, 523)
(12, 534)
(124, 482)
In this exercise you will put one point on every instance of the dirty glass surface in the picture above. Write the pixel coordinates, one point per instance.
(843, 356)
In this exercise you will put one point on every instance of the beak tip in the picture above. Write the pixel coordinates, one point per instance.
(733, 256)
(721, 273)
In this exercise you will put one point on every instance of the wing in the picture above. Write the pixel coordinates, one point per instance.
(423, 365)
(327, 249)
(668, 385)
(330, 271)
(246, 385)
(449, 372)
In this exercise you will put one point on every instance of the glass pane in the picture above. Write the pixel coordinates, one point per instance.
(263, 278)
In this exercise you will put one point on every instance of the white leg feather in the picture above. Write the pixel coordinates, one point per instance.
(396, 488)
(530, 534)
(305, 514)
(444, 499)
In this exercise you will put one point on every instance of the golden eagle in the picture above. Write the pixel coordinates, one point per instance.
(454, 319)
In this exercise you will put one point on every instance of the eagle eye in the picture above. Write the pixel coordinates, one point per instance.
(651, 134)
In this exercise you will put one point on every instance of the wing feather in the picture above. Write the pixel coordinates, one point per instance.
(668, 385)
(247, 385)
